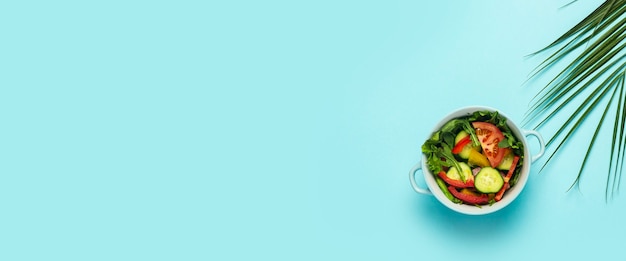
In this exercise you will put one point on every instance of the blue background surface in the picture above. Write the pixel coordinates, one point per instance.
(282, 130)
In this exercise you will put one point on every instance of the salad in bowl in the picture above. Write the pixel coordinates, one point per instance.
(475, 161)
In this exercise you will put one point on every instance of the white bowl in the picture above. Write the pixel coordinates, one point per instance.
(510, 195)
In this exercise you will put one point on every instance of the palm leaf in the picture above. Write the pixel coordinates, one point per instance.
(595, 99)
(617, 138)
(598, 70)
(595, 134)
(583, 66)
(622, 139)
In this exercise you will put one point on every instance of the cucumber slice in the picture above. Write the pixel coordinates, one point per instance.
(488, 180)
(506, 162)
(466, 171)
(460, 136)
(465, 153)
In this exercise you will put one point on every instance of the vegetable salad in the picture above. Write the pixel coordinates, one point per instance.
(475, 159)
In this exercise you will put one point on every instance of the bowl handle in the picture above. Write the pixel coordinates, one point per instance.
(542, 145)
(412, 173)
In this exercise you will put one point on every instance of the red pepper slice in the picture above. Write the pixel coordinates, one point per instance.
(459, 146)
(507, 178)
(456, 183)
(500, 193)
(469, 197)
(511, 169)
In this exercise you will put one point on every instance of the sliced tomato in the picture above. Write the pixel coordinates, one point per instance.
(489, 136)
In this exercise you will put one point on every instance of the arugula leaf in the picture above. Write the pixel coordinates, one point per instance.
(448, 139)
(446, 152)
(467, 127)
(439, 147)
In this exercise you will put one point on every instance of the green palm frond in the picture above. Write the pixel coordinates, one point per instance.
(598, 70)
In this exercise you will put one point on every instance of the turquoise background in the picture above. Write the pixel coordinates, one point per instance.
(278, 130)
